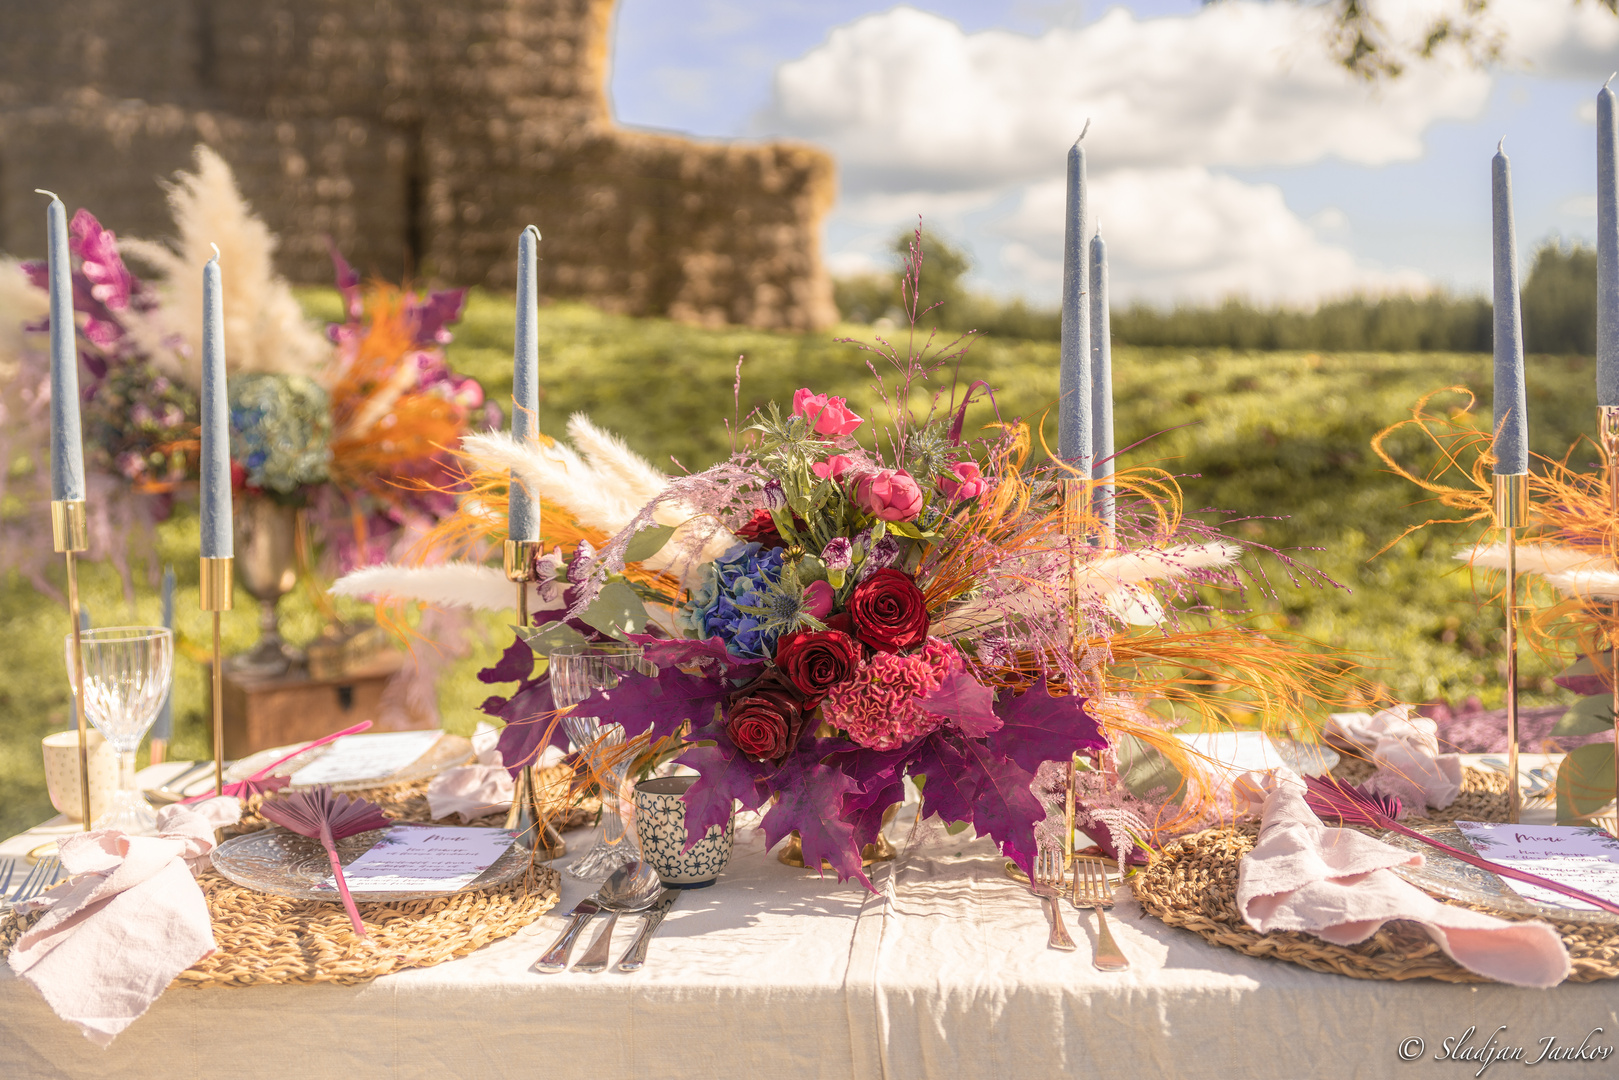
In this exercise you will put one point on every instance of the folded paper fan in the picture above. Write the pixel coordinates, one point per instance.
(320, 815)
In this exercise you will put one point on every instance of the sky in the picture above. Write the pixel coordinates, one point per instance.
(1228, 154)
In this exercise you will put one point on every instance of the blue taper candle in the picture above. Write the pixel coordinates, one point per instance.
(1074, 384)
(163, 726)
(67, 447)
(217, 542)
(1607, 249)
(524, 521)
(1101, 382)
(1511, 402)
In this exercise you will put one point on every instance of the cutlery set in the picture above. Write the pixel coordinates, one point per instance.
(634, 887)
(1087, 888)
(41, 876)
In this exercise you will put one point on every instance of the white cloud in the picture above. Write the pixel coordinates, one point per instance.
(909, 99)
(1187, 233)
(1561, 38)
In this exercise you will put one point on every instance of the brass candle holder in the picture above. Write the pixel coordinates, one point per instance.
(521, 559)
(1511, 514)
(217, 595)
(1608, 436)
(70, 534)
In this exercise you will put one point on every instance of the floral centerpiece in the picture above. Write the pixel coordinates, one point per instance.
(835, 609)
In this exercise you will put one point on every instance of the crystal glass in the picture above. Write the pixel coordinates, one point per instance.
(127, 671)
(577, 671)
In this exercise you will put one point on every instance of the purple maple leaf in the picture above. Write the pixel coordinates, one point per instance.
(516, 664)
(430, 320)
(1037, 727)
(1004, 809)
(810, 799)
(673, 652)
(727, 777)
(659, 704)
(949, 789)
(526, 724)
(965, 702)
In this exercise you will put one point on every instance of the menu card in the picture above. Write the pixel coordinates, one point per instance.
(1583, 857)
(424, 858)
(366, 757)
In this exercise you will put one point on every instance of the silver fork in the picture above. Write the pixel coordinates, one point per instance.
(40, 878)
(1091, 890)
(5, 878)
(1046, 883)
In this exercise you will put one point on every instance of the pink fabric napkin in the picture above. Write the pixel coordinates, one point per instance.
(1337, 885)
(1405, 749)
(477, 789)
(131, 919)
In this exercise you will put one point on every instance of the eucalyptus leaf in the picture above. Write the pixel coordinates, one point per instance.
(545, 639)
(1588, 716)
(1585, 782)
(648, 542)
(616, 611)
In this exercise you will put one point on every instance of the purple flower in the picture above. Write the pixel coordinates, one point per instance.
(882, 554)
(775, 497)
(838, 553)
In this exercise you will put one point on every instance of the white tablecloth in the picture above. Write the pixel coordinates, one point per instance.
(776, 973)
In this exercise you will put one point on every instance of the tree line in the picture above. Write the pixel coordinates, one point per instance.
(1559, 312)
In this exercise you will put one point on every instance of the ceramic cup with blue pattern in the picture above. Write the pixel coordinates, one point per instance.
(660, 819)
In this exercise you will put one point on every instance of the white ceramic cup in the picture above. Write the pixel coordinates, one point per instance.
(61, 750)
(660, 821)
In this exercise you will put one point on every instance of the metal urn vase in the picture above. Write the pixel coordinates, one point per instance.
(267, 565)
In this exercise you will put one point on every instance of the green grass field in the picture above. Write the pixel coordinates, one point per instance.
(1279, 439)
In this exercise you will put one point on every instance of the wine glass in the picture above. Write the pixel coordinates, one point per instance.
(577, 671)
(127, 671)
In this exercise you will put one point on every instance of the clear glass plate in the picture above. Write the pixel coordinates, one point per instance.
(1447, 876)
(447, 753)
(283, 863)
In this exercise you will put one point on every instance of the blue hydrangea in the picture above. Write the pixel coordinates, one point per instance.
(736, 580)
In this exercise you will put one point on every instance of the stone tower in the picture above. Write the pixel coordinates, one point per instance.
(420, 135)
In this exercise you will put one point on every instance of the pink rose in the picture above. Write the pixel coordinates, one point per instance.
(890, 494)
(833, 467)
(830, 416)
(967, 483)
(818, 598)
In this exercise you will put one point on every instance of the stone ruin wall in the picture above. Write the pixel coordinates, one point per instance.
(420, 136)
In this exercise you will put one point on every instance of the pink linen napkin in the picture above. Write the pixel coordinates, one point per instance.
(1405, 749)
(477, 789)
(131, 919)
(1337, 885)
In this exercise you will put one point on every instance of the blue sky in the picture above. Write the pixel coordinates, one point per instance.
(1228, 155)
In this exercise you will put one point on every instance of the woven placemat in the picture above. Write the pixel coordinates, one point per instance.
(1192, 884)
(274, 939)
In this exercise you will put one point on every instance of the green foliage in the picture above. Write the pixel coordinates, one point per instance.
(1587, 716)
(1559, 313)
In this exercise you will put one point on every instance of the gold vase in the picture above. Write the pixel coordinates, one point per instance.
(267, 566)
(880, 850)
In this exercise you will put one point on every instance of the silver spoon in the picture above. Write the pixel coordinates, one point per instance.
(633, 887)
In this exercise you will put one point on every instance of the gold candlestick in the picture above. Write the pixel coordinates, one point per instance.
(70, 533)
(1511, 514)
(217, 595)
(521, 560)
(1608, 434)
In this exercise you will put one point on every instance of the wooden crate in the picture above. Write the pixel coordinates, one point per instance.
(261, 713)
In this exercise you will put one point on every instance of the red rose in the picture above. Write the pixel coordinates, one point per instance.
(762, 528)
(765, 718)
(889, 611)
(817, 661)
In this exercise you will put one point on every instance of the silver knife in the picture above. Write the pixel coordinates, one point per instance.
(556, 958)
(635, 956)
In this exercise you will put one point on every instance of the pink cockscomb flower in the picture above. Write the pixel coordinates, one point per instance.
(829, 415)
(965, 482)
(880, 707)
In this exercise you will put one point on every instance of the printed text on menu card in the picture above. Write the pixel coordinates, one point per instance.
(1583, 857)
(424, 858)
